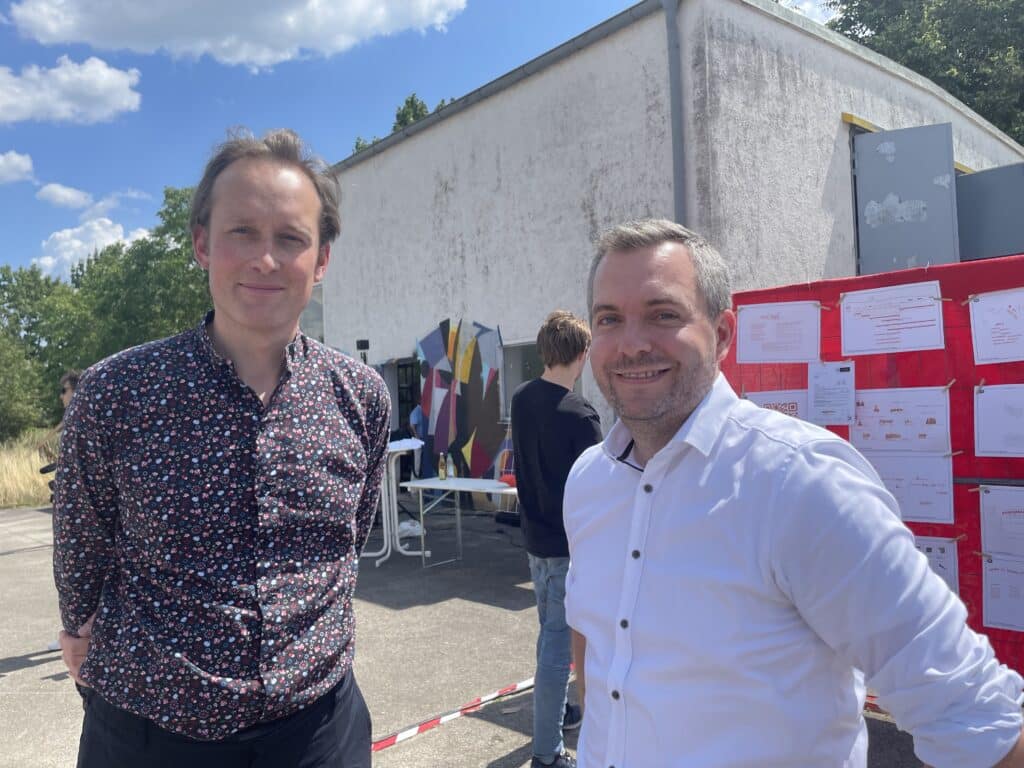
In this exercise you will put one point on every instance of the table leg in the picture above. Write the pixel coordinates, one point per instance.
(398, 542)
(385, 518)
(458, 526)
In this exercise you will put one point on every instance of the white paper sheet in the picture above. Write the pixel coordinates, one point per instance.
(792, 402)
(1002, 520)
(942, 557)
(999, 420)
(997, 326)
(1003, 599)
(784, 332)
(903, 419)
(830, 392)
(899, 318)
(405, 444)
(922, 485)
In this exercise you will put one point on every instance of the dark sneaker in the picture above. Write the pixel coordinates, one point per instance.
(564, 760)
(573, 718)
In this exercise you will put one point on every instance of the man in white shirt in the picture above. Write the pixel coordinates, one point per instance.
(736, 574)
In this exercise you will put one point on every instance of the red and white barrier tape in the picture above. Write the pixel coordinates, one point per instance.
(405, 734)
(426, 725)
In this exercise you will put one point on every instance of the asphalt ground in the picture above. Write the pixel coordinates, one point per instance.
(428, 642)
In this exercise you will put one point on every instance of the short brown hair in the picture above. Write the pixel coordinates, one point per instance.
(710, 269)
(562, 338)
(280, 146)
(71, 379)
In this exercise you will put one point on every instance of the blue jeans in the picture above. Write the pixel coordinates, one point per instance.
(554, 652)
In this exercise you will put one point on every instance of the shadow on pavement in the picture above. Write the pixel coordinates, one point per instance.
(27, 661)
(493, 570)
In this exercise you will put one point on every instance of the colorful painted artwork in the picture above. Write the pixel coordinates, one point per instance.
(459, 366)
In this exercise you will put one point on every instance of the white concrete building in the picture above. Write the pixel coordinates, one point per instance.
(486, 210)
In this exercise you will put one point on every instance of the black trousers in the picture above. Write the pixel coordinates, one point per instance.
(333, 732)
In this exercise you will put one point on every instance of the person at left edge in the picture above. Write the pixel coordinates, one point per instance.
(214, 491)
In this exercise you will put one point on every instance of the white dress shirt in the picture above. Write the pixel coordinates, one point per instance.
(731, 590)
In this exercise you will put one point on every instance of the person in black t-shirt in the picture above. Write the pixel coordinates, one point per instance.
(551, 427)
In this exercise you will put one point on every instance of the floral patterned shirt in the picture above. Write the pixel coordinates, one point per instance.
(216, 539)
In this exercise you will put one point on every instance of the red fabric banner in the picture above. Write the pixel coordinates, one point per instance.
(919, 369)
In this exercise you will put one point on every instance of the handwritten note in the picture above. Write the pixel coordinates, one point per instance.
(922, 485)
(784, 332)
(902, 419)
(1003, 598)
(942, 557)
(997, 326)
(792, 402)
(899, 318)
(1002, 520)
(999, 420)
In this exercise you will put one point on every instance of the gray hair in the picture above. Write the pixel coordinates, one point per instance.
(710, 268)
(280, 146)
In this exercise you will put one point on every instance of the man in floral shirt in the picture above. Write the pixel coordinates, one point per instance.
(213, 494)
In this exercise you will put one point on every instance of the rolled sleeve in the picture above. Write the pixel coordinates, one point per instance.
(84, 510)
(851, 568)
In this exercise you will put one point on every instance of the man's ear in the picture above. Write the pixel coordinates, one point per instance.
(201, 246)
(725, 332)
(321, 263)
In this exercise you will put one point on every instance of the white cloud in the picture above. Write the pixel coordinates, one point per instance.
(256, 33)
(65, 197)
(15, 167)
(67, 247)
(107, 204)
(90, 92)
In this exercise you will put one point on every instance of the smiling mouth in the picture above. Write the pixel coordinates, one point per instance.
(262, 288)
(641, 375)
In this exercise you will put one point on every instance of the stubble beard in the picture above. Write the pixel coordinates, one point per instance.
(660, 419)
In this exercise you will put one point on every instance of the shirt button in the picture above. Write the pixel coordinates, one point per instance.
(615, 695)
(636, 554)
(648, 488)
(624, 623)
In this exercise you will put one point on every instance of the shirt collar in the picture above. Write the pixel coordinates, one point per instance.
(699, 431)
(297, 351)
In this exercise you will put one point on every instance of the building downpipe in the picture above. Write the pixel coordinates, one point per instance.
(675, 88)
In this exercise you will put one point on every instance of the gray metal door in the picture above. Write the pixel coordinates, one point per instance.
(991, 219)
(906, 198)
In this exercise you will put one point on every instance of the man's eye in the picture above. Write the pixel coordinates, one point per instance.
(607, 320)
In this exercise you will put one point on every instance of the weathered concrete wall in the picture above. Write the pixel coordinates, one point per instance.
(489, 214)
(768, 155)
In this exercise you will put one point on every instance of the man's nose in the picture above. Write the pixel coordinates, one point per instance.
(635, 338)
(265, 261)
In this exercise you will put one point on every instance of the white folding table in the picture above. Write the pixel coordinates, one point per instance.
(448, 487)
(389, 502)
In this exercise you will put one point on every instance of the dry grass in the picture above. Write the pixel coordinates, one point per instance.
(21, 485)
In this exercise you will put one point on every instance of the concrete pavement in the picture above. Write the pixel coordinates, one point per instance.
(428, 642)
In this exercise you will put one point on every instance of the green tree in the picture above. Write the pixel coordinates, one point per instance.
(22, 294)
(20, 390)
(121, 296)
(974, 50)
(411, 110)
(136, 293)
(362, 143)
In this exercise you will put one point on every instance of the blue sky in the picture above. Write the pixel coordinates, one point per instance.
(103, 103)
